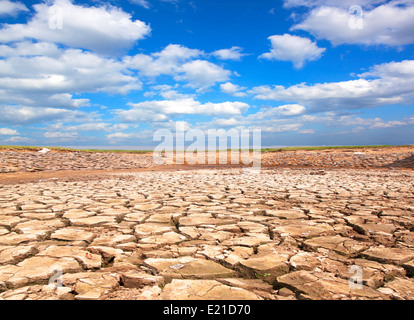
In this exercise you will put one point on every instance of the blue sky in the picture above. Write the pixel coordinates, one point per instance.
(110, 73)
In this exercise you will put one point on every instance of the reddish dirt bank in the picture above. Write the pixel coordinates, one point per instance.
(29, 166)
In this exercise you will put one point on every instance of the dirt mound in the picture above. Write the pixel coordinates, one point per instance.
(404, 163)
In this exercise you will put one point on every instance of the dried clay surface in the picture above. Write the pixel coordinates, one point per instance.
(225, 233)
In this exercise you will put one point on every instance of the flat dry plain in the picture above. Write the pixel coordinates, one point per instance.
(326, 224)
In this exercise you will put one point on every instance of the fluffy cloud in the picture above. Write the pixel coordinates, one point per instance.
(46, 80)
(168, 92)
(354, 122)
(138, 115)
(166, 62)
(233, 89)
(21, 115)
(29, 48)
(202, 74)
(9, 8)
(69, 135)
(393, 123)
(231, 122)
(160, 110)
(104, 29)
(291, 109)
(234, 53)
(174, 53)
(372, 89)
(118, 136)
(65, 100)
(257, 121)
(91, 126)
(180, 63)
(296, 49)
(277, 112)
(8, 132)
(17, 139)
(388, 24)
(286, 118)
(133, 137)
(393, 70)
(271, 120)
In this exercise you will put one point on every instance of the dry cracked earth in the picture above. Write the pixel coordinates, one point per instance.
(225, 233)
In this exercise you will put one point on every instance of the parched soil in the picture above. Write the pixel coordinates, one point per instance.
(295, 230)
(402, 157)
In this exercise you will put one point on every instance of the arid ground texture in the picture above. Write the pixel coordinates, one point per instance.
(322, 224)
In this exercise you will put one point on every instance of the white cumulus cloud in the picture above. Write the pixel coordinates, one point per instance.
(103, 29)
(202, 74)
(296, 49)
(389, 24)
(291, 109)
(46, 81)
(166, 62)
(181, 63)
(9, 8)
(160, 110)
(233, 89)
(374, 88)
(22, 115)
(8, 132)
(234, 53)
